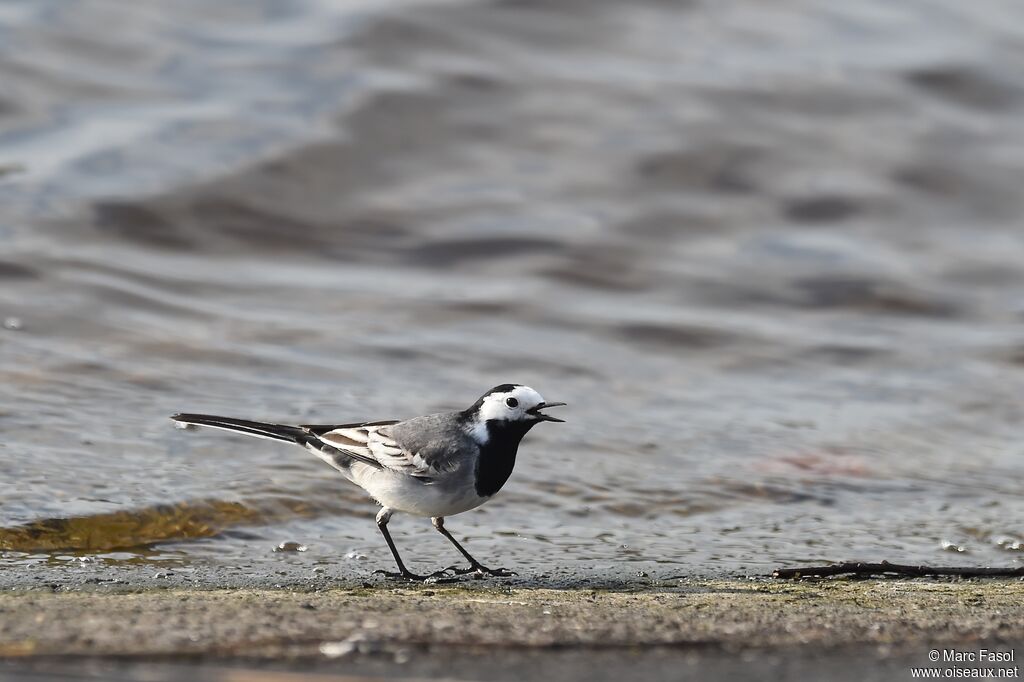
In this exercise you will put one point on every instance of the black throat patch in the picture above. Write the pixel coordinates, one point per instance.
(498, 457)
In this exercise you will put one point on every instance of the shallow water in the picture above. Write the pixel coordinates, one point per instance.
(770, 256)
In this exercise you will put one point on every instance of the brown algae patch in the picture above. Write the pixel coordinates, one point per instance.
(723, 614)
(132, 528)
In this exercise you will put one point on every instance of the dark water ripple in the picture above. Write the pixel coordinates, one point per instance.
(769, 255)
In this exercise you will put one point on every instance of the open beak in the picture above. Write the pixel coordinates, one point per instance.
(536, 412)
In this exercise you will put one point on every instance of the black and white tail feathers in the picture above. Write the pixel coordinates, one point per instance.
(308, 436)
(282, 432)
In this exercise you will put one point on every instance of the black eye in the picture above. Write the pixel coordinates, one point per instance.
(511, 402)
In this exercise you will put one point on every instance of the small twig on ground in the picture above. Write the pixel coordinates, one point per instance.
(885, 568)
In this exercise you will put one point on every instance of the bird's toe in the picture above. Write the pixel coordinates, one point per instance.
(500, 572)
(441, 576)
(479, 571)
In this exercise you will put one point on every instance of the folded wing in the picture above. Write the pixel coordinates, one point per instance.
(370, 443)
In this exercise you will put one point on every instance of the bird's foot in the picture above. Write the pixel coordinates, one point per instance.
(479, 571)
(441, 576)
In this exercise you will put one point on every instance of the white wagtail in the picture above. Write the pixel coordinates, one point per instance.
(437, 465)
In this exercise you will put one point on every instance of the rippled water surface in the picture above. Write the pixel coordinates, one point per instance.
(770, 255)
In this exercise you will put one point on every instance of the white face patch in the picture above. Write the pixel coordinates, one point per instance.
(510, 405)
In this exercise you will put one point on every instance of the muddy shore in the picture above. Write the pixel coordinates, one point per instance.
(484, 629)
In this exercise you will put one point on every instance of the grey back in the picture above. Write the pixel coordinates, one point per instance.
(440, 439)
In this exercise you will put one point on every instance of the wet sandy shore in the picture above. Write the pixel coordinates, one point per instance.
(478, 630)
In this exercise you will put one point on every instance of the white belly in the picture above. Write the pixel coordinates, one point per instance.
(400, 492)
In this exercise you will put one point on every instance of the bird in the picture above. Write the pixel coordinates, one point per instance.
(435, 466)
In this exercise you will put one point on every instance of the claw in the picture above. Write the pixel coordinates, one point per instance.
(435, 577)
(501, 572)
(480, 570)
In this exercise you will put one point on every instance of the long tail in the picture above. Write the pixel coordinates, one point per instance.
(282, 432)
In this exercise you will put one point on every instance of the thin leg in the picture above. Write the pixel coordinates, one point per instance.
(474, 565)
(382, 522)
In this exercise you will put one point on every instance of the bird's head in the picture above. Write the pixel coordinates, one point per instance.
(512, 403)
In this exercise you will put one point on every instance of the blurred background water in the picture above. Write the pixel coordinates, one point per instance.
(770, 254)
